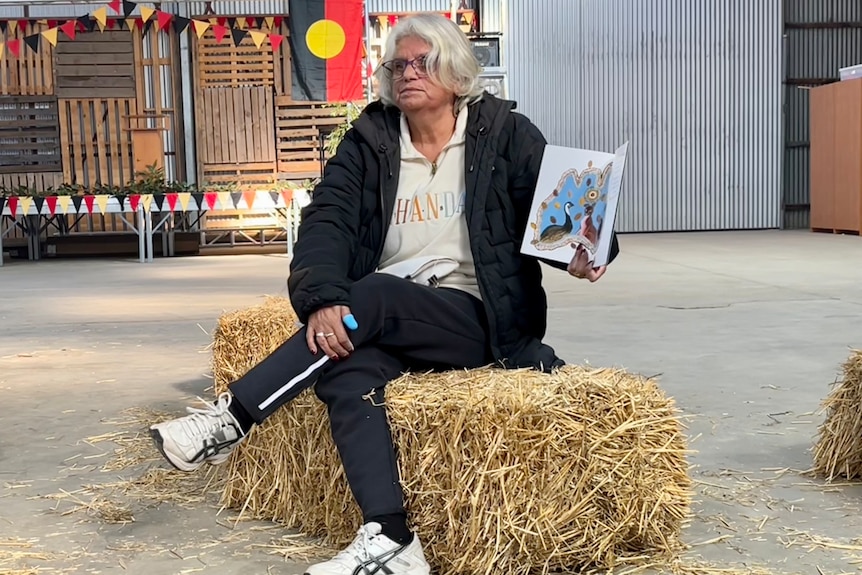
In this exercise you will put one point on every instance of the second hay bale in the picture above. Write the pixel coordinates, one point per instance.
(838, 449)
(510, 472)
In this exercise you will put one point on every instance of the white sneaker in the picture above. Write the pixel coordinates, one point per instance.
(374, 553)
(206, 435)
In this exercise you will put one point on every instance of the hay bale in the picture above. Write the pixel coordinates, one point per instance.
(511, 472)
(838, 449)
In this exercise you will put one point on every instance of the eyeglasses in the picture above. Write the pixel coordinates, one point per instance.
(398, 66)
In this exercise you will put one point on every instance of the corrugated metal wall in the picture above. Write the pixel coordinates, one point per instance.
(821, 38)
(695, 86)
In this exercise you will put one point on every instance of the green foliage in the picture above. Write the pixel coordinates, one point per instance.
(349, 112)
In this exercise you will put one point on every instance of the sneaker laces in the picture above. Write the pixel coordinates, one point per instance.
(360, 551)
(202, 422)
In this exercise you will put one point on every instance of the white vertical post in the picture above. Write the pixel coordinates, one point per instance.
(369, 84)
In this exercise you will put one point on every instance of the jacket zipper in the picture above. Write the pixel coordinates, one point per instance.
(383, 149)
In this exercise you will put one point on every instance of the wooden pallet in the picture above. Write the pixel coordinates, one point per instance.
(297, 128)
(246, 176)
(39, 181)
(29, 134)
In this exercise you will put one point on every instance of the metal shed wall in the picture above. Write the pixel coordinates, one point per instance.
(821, 38)
(695, 86)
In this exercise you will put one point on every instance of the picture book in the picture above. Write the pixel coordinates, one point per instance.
(575, 203)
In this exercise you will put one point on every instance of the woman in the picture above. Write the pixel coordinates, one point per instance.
(433, 171)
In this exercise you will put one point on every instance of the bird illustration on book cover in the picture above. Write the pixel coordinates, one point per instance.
(574, 212)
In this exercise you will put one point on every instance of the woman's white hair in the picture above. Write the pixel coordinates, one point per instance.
(450, 61)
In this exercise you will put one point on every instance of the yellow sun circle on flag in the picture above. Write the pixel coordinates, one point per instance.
(325, 39)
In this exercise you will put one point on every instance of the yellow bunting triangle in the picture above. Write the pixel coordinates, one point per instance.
(13, 25)
(102, 202)
(2, 49)
(382, 21)
(468, 17)
(51, 36)
(213, 21)
(146, 13)
(63, 204)
(200, 27)
(130, 23)
(26, 201)
(270, 22)
(101, 16)
(146, 201)
(225, 200)
(241, 23)
(184, 198)
(257, 37)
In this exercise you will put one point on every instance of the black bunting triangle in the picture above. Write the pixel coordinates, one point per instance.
(235, 198)
(147, 25)
(4, 25)
(86, 22)
(33, 42)
(231, 23)
(180, 24)
(2, 204)
(76, 200)
(159, 199)
(238, 35)
(38, 200)
(199, 199)
(128, 8)
(275, 196)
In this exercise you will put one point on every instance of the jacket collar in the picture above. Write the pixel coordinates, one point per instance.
(379, 125)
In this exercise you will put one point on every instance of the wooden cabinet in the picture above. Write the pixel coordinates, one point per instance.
(836, 157)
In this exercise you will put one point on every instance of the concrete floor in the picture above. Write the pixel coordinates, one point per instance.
(747, 329)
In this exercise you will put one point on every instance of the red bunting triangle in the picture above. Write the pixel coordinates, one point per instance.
(221, 21)
(52, 24)
(111, 23)
(211, 198)
(115, 5)
(251, 22)
(287, 196)
(139, 22)
(275, 40)
(249, 198)
(134, 201)
(14, 47)
(12, 202)
(88, 200)
(276, 22)
(69, 28)
(52, 204)
(172, 198)
(164, 19)
(220, 32)
(22, 25)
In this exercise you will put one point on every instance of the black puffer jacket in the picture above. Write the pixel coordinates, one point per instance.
(343, 229)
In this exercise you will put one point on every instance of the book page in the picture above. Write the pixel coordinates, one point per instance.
(613, 196)
(570, 204)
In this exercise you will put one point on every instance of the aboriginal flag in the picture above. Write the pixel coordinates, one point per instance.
(325, 39)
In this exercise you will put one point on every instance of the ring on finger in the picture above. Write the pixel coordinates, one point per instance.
(319, 334)
(328, 334)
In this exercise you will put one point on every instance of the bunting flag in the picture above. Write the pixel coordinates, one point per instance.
(220, 32)
(200, 27)
(51, 36)
(89, 201)
(63, 203)
(257, 37)
(76, 201)
(128, 8)
(101, 16)
(147, 200)
(102, 202)
(180, 24)
(235, 197)
(275, 41)
(172, 198)
(163, 19)
(224, 199)
(270, 22)
(211, 198)
(14, 47)
(134, 201)
(13, 205)
(69, 29)
(26, 202)
(160, 200)
(238, 36)
(325, 38)
(185, 197)
(249, 199)
(40, 202)
(115, 6)
(32, 42)
(52, 205)
(287, 196)
(147, 13)
(3, 204)
(2, 50)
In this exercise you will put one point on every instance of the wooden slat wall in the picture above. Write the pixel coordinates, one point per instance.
(225, 65)
(297, 131)
(95, 63)
(238, 126)
(29, 134)
(95, 146)
(32, 73)
(33, 181)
